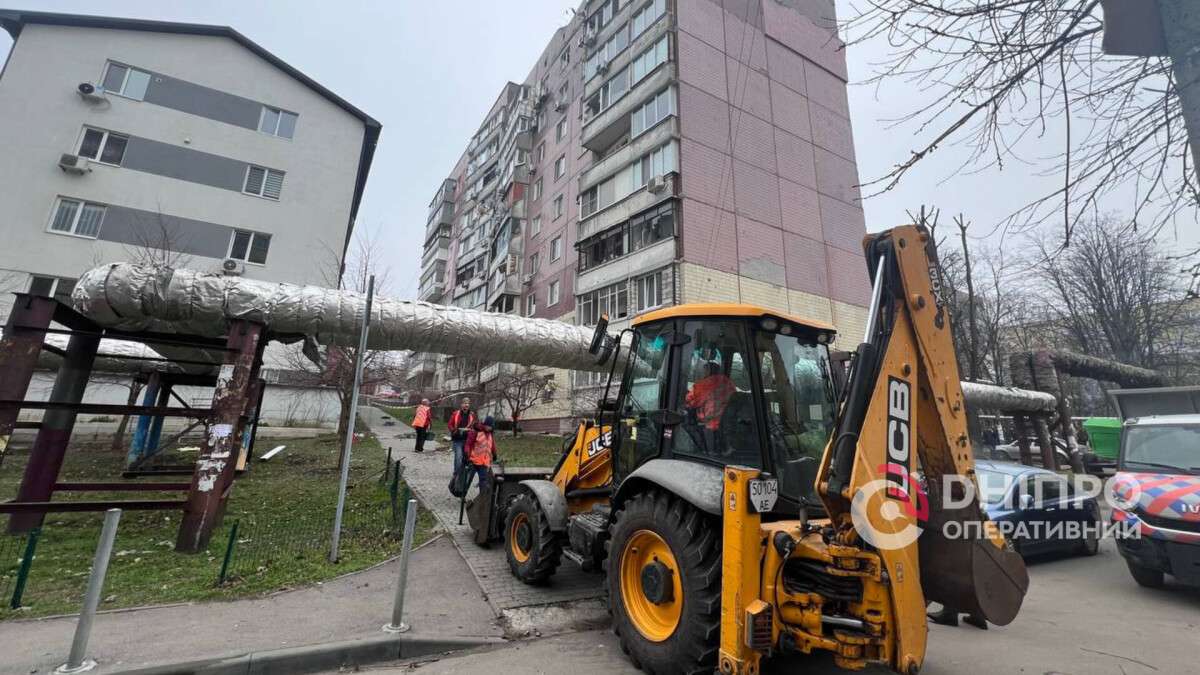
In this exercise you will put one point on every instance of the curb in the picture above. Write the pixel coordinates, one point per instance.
(319, 657)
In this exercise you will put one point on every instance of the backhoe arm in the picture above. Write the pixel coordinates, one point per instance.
(904, 413)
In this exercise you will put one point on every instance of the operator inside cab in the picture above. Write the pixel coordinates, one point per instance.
(707, 400)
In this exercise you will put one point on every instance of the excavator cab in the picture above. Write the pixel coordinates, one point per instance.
(728, 385)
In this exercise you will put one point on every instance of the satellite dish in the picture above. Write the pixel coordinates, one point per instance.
(87, 88)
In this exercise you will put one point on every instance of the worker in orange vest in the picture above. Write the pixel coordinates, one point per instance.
(481, 450)
(708, 399)
(460, 423)
(422, 420)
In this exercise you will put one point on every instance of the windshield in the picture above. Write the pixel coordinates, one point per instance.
(1164, 447)
(993, 485)
(798, 399)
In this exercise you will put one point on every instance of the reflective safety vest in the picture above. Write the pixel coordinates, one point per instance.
(482, 449)
(421, 418)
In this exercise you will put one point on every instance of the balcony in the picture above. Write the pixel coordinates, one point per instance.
(649, 140)
(511, 285)
(432, 292)
(631, 205)
(648, 259)
(648, 37)
(434, 255)
(600, 132)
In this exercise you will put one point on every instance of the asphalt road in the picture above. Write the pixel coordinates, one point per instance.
(1082, 615)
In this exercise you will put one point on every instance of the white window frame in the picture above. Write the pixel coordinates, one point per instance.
(124, 81)
(266, 174)
(249, 246)
(531, 303)
(556, 248)
(104, 136)
(281, 112)
(534, 262)
(560, 130)
(558, 206)
(555, 291)
(560, 167)
(535, 226)
(74, 231)
(654, 279)
(536, 190)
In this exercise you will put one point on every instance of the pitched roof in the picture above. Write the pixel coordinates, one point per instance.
(13, 20)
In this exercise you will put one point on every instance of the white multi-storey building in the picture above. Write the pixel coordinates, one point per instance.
(122, 138)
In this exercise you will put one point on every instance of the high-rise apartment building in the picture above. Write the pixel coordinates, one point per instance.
(659, 152)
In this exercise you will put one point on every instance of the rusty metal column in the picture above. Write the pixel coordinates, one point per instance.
(1021, 429)
(1049, 457)
(19, 350)
(50, 446)
(215, 467)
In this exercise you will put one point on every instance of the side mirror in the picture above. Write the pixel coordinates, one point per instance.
(1025, 502)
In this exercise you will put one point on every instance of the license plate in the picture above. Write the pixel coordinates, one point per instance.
(763, 493)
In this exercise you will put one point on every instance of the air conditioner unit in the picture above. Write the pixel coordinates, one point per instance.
(656, 184)
(527, 279)
(560, 106)
(588, 39)
(232, 267)
(90, 92)
(533, 171)
(73, 163)
(602, 67)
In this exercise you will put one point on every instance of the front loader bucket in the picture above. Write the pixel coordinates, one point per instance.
(971, 574)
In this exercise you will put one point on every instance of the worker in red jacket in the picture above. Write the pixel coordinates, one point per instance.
(481, 450)
(460, 423)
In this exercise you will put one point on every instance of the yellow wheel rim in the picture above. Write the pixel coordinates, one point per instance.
(518, 530)
(656, 621)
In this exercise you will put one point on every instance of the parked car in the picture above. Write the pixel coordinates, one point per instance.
(1039, 507)
(1011, 452)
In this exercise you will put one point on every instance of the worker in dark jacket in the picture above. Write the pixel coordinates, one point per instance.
(460, 423)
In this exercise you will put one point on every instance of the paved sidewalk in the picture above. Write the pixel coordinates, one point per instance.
(440, 601)
(428, 474)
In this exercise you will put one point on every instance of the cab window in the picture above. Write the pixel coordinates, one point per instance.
(715, 397)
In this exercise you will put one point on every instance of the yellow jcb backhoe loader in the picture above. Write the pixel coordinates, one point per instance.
(742, 506)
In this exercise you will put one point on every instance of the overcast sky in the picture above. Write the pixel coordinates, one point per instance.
(430, 70)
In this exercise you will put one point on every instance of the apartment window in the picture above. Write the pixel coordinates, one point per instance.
(534, 263)
(564, 92)
(554, 293)
(103, 146)
(611, 300)
(558, 206)
(250, 247)
(604, 14)
(649, 59)
(535, 226)
(531, 303)
(540, 154)
(125, 81)
(277, 122)
(560, 130)
(602, 248)
(659, 162)
(646, 16)
(536, 193)
(606, 53)
(656, 109)
(556, 248)
(52, 287)
(82, 219)
(652, 226)
(263, 182)
(649, 291)
(608, 93)
(560, 167)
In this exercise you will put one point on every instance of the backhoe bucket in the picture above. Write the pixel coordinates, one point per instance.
(971, 573)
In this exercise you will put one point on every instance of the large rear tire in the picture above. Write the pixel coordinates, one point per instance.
(664, 584)
(532, 549)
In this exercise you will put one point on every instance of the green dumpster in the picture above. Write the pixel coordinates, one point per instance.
(1104, 436)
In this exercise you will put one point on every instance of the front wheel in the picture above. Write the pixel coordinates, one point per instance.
(664, 584)
(532, 549)
(1145, 576)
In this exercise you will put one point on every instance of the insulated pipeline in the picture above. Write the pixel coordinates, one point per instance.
(136, 298)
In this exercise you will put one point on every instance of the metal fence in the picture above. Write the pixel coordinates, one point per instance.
(373, 520)
(16, 559)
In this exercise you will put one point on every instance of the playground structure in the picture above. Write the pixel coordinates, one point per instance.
(210, 330)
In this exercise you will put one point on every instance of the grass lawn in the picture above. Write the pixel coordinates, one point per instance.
(285, 508)
(400, 414)
(528, 449)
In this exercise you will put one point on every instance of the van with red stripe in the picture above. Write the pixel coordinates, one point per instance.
(1156, 491)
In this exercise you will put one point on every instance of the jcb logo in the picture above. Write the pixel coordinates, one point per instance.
(601, 442)
(898, 437)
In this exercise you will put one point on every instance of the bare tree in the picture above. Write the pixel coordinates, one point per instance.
(520, 388)
(998, 72)
(159, 241)
(1115, 293)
